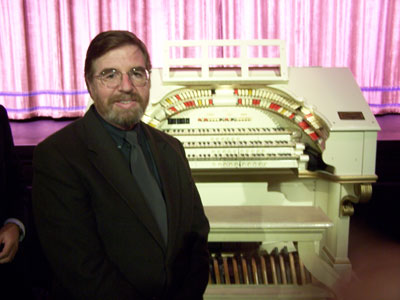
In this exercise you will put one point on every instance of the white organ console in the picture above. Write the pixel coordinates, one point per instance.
(279, 156)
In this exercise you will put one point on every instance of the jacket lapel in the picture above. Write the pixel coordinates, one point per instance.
(108, 160)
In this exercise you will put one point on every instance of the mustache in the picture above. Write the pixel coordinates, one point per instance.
(132, 96)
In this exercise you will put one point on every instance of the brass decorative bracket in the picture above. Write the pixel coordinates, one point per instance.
(363, 193)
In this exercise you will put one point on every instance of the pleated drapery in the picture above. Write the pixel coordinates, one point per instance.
(43, 43)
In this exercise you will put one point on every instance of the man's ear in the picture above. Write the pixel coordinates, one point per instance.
(89, 87)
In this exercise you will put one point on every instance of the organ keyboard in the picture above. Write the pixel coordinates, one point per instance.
(208, 148)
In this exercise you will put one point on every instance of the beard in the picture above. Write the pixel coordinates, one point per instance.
(119, 117)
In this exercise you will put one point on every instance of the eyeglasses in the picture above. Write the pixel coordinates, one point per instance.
(112, 78)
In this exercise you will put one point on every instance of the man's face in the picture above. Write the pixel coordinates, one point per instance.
(124, 105)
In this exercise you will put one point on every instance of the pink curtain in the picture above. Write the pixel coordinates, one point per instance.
(43, 43)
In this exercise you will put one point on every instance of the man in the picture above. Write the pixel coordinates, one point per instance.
(12, 214)
(104, 237)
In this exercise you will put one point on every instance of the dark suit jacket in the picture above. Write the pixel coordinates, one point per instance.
(11, 184)
(95, 228)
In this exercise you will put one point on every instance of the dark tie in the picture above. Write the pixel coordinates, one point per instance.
(147, 183)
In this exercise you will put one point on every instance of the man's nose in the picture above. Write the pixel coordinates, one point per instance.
(126, 83)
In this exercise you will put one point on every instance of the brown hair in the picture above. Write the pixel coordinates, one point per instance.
(109, 40)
